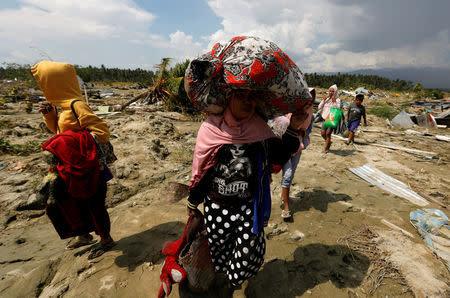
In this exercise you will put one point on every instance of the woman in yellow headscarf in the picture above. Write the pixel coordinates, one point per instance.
(60, 85)
(79, 216)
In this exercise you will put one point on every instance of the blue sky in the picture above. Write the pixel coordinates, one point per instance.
(319, 35)
(194, 17)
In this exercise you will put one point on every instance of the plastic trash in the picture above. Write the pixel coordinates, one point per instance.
(403, 119)
(428, 223)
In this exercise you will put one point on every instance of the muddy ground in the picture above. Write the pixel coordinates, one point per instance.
(336, 245)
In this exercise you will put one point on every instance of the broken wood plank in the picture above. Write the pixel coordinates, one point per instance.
(391, 225)
(442, 138)
(404, 149)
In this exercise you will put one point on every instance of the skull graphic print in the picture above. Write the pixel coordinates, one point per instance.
(233, 173)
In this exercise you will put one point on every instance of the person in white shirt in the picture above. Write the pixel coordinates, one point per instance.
(332, 101)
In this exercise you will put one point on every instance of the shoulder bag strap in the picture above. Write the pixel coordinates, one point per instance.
(73, 110)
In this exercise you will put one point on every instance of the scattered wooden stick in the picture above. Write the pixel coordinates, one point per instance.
(356, 147)
(403, 149)
(391, 225)
(372, 130)
(437, 202)
(343, 139)
(385, 146)
(85, 95)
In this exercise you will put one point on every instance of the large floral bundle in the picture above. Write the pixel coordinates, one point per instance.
(246, 63)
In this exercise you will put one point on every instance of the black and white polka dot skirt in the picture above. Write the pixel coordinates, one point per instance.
(235, 250)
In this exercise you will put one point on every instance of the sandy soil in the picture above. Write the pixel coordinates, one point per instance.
(154, 148)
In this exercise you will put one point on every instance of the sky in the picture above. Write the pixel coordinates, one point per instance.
(319, 35)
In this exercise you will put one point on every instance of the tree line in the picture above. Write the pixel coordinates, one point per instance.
(147, 77)
(345, 80)
(105, 74)
(11, 71)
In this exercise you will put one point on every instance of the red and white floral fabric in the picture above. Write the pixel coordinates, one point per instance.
(246, 63)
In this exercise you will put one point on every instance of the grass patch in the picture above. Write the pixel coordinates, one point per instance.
(386, 110)
(182, 154)
(5, 124)
(21, 150)
(383, 112)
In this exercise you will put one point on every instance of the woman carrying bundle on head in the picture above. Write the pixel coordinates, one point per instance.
(242, 84)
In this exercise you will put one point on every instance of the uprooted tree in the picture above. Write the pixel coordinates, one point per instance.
(168, 88)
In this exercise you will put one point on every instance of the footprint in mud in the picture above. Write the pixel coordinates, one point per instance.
(317, 199)
(313, 264)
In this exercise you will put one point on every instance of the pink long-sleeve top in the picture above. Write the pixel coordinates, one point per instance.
(327, 104)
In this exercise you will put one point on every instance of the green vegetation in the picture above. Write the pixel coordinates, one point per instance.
(5, 123)
(22, 150)
(346, 81)
(386, 109)
(12, 71)
(178, 101)
(418, 91)
(104, 74)
(435, 94)
(90, 73)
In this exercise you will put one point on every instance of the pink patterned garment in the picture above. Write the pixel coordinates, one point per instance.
(224, 129)
(246, 63)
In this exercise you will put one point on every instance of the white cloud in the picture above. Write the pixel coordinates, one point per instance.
(342, 35)
(111, 32)
(320, 35)
(431, 53)
(185, 45)
(54, 20)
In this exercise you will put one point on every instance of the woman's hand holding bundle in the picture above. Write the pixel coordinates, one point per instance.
(300, 116)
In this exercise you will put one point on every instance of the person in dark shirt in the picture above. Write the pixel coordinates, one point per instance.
(231, 177)
(355, 112)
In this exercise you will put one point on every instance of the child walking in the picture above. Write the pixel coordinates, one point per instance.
(355, 112)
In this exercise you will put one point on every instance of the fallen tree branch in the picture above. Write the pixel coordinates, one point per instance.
(143, 95)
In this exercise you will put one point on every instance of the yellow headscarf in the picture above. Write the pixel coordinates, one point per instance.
(58, 81)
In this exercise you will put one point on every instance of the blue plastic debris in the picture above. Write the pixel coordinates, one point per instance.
(428, 222)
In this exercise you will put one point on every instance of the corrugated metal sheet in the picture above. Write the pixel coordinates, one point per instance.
(383, 181)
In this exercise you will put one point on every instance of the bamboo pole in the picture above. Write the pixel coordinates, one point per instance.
(85, 95)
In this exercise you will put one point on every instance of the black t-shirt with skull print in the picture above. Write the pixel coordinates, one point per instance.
(233, 175)
(232, 178)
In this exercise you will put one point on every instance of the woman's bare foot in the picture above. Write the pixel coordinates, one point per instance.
(105, 245)
(80, 241)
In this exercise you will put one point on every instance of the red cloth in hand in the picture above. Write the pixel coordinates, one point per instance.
(78, 164)
(171, 271)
